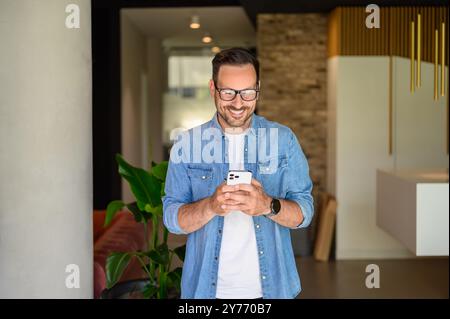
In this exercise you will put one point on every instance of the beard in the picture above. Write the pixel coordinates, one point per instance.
(235, 117)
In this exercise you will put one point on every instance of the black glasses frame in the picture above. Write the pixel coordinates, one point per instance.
(236, 92)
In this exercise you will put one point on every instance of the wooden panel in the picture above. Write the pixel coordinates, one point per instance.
(348, 34)
(326, 228)
(334, 30)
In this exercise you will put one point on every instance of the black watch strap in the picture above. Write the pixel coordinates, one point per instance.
(275, 207)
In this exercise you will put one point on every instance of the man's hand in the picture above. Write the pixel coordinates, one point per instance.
(221, 198)
(194, 216)
(250, 199)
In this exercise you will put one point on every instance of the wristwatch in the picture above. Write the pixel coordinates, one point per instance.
(275, 207)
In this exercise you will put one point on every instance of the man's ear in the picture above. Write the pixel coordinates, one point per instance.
(259, 88)
(212, 88)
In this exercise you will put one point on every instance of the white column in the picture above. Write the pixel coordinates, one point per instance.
(45, 149)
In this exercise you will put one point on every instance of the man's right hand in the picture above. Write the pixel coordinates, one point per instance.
(220, 198)
(193, 216)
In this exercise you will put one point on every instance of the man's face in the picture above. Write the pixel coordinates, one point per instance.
(236, 113)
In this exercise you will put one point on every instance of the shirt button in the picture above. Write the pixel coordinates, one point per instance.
(257, 225)
(261, 252)
(246, 149)
(267, 168)
(203, 177)
(263, 277)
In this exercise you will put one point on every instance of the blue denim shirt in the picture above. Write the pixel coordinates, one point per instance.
(284, 174)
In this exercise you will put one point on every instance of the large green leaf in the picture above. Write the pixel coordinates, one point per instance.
(115, 265)
(180, 252)
(139, 216)
(163, 186)
(155, 257)
(160, 255)
(163, 250)
(175, 277)
(160, 170)
(111, 210)
(145, 187)
(158, 210)
(163, 285)
(148, 266)
(176, 273)
(150, 290)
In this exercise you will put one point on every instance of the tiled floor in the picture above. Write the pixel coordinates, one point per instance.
(403, 278)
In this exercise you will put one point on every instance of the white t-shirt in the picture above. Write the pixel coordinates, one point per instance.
(238, 275)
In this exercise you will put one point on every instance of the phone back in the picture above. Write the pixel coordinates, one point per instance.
(239, 177)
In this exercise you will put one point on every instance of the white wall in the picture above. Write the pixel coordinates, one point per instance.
(133, 72)
(143, 77)
(420, 122)
(358, 144)
(361, 143)
(45, 150)
(156, 67)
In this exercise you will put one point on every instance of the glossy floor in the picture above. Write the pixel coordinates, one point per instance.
(403, 278)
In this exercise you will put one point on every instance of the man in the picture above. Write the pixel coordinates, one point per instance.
(238, 243)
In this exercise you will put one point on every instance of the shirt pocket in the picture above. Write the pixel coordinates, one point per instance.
(272, 173)
(273, 165)
(201, 181)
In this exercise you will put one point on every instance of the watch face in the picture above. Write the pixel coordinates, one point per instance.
(276, 205)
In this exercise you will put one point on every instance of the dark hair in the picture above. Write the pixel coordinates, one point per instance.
(234, 56)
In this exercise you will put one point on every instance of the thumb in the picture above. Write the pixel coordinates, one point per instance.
(256, 182)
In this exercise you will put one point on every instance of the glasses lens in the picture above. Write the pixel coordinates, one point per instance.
(227, 95)
(248, 95)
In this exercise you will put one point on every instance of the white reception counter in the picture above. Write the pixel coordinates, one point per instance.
(413, 206)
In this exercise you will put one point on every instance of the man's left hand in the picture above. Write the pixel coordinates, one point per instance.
(251, 199)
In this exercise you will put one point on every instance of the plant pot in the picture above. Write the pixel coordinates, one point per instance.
(132, 289)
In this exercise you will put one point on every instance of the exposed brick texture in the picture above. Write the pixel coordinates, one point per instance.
(292, 49)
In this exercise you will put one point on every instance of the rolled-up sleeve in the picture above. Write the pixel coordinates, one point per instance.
(299, 181)
(177, 193)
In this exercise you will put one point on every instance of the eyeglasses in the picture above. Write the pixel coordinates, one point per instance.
(230, 94)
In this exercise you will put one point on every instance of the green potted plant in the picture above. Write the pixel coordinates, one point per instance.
(156, 261)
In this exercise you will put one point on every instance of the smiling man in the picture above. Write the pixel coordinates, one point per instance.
(239, 244)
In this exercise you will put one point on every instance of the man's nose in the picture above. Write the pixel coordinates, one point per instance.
(237, 101)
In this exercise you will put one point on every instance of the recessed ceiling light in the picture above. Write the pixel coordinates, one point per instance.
(215, 49)
(195, 22)
(207, 38)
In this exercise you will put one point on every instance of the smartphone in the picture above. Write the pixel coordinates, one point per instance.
(239, 177)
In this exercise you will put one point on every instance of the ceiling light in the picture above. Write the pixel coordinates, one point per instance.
(195, 22)
(207, 38)
(215, 49)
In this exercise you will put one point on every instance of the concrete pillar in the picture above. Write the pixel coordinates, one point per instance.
(45, 150)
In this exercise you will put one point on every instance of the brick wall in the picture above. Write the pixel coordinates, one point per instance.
(292, 49)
